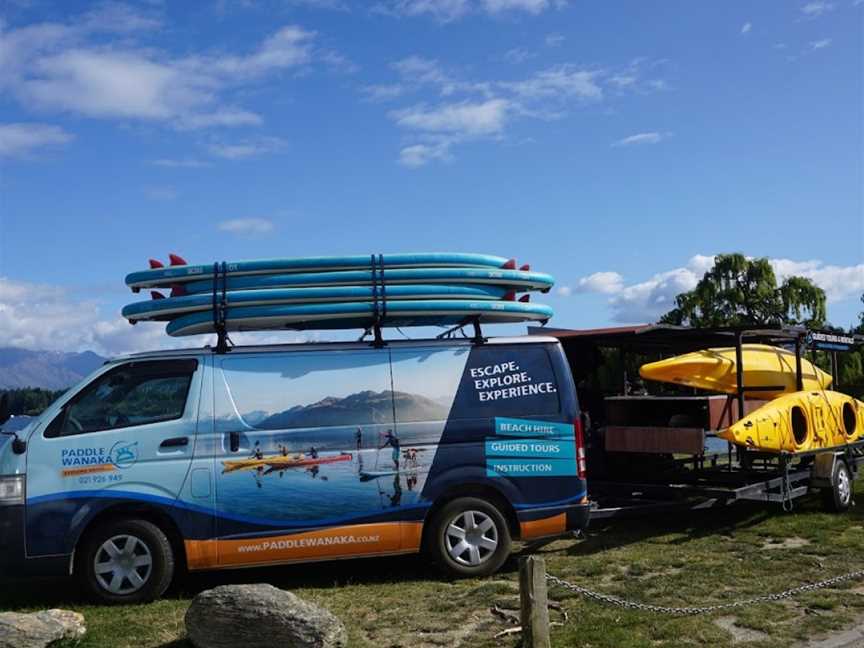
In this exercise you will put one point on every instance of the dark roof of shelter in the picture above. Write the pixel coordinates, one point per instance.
(666, 337)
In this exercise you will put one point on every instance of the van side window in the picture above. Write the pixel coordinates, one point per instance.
(136, 393)
(307, 389)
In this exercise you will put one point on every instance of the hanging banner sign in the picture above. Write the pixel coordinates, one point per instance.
(830, 341)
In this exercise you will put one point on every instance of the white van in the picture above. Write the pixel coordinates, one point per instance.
(203, 460)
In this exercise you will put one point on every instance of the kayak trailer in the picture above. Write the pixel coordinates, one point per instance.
(654, 453)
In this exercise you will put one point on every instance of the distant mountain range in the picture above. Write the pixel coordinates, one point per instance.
(46, 369)
(365, 407)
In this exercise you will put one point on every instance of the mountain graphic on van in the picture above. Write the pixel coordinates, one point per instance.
(365, 407)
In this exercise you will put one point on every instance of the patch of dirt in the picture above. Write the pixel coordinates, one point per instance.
(792, 542)
(739, 634)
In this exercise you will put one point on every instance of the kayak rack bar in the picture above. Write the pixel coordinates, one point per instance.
(478, 337)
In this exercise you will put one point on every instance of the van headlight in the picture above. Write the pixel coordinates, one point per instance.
(11, 489)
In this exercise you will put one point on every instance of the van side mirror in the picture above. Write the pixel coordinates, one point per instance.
(5, 414)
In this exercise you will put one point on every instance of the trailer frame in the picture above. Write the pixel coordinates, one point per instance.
(749, 475)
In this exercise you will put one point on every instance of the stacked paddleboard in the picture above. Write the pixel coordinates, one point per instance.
(793, 421)
(304, 293)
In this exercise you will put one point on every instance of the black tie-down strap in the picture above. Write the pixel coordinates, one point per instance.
(220, 305)
(379, 298)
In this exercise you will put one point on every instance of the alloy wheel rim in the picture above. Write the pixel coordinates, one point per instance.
(123, 564)
(471, 538)
(844, 489)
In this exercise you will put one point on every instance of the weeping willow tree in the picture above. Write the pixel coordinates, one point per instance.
(738, 291)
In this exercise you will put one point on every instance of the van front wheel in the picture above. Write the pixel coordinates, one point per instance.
(469, 537)
(126, 561)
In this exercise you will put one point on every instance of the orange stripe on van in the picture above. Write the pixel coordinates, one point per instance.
(335, 542)
(544, 527)
(88, 470)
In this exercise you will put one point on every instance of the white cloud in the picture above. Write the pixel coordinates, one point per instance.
(183, 163)
(38, 316)
(559, 82)
(95, 66)
(417, 155)
(160, 193)
(838, 282)
(441, 10)
(252, 147)
(820, 44)
(746, 27)
(518, 55)
(484, 109)
(816, 8)
(384, 91)
(530, 6)
(641, 138)
(600, 282)
(45, 317)
(246, 226)
(450, 10)
(554, 40)
(464, 118)
(23, 139)
(647, 300)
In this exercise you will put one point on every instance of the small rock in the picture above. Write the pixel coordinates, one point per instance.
(262, 616)
(39, 629)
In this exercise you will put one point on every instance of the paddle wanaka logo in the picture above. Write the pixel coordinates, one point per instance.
(98, 459)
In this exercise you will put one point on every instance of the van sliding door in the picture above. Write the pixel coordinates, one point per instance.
(307, 459)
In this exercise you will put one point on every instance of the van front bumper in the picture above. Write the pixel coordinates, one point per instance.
(14, 563)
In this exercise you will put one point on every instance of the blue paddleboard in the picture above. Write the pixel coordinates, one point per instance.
(360, 315)
(173, 307)
(162, 277)
(512, 279)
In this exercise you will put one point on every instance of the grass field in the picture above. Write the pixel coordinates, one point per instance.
(711, 557)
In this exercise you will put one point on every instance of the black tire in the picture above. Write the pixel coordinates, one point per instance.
(150, 543)
(838, 497)
(442, 545)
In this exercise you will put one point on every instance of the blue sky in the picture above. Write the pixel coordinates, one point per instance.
(616, 145)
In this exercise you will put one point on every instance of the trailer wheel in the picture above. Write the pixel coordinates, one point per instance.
(838, 497)
(126, 561)
(469, 537)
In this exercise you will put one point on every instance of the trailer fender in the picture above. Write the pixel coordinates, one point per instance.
(823, 469)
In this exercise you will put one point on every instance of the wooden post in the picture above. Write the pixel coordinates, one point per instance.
(534, 603)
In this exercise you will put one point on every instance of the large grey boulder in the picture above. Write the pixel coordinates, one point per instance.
(39, 629)
(262, 616)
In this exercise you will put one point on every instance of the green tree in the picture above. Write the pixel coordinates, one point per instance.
(738, 291)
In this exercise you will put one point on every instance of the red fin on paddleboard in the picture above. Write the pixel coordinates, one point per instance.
(525, 268)
(509, 265)
(177, 290)
(510, 296)
(156, 263)
(525, 299)
(155, 294)
(176, 259)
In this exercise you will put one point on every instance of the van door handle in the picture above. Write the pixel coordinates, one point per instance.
(176, 442)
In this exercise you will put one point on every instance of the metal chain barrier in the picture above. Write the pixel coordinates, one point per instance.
(707, 609)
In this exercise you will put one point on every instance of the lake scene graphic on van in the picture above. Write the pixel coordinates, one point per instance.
(324, 438)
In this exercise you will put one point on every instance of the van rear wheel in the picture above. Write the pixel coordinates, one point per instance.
(126, 561)
(469, 537)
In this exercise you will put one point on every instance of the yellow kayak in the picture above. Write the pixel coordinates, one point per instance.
(280, 462)
(714, 370)
(245, 464)
(801, 421)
